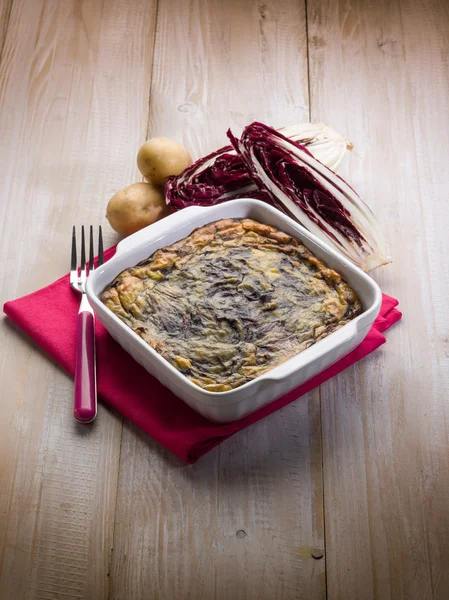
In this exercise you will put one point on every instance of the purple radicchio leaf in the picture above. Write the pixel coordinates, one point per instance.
(216, 178)
(308, 191)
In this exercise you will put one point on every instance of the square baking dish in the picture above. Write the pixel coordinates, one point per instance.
(229, 406)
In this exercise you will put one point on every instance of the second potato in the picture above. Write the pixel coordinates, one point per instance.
(160, 158)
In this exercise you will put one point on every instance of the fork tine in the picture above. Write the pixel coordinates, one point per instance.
(100, 247)
(73, 258)
(91, 250)
(83, 250)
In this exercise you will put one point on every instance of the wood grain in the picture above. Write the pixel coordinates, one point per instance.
(74, 83)
(379, 71)
(5, 10)
(241, 522)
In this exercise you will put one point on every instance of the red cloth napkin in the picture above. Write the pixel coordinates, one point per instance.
(48, 316)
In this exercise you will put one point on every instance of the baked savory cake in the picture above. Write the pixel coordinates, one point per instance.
(230, 301)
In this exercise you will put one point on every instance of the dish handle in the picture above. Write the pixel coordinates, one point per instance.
(160, 227)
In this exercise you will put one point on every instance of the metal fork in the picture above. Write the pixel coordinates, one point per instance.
(85, 393)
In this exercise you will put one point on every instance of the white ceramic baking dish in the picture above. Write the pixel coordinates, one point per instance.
(229, 406)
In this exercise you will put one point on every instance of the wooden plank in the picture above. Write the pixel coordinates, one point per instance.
(74, 83)
(241, 522)
(379, 72)
(5, 9)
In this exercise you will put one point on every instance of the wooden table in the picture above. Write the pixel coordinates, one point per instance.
(357, 470)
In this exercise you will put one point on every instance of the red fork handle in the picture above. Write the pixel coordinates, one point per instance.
(85, 395)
